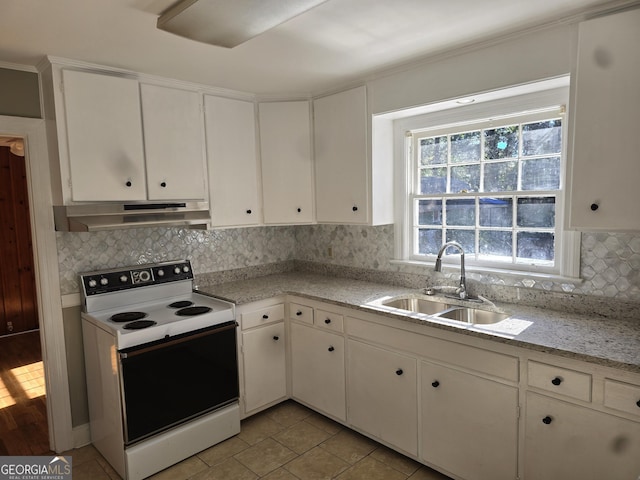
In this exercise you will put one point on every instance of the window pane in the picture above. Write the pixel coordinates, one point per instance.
(465, 178)
(466, 238)
(501, 176)
(465, 147)
(429, 212)
(496, 244)
(542, 138)
(496, 212)
(501, 143)
(429, 241)
(541, 174)
(536, 212)
(535, 246)
(433, 151)
(461, 212)
(433, 180)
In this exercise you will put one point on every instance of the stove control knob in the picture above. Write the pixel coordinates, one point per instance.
(185, 269)
(160, 272)
(104, 281)
(123, 278)
(176, 270)
(93, 283)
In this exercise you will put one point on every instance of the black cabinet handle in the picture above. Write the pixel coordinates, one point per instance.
(399, 372)
(556, 381)
(128, 184)
(163, 184)
(327, 321)
(299, 209)
(276, 338)
(265, 316)
(638, 403)
(331, 349)
(298, 313)
(249, 211)
(594, 207)
(547, 420)
(435, 384)
(355, 208)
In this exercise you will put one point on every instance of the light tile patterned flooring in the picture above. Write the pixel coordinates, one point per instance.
(285, 442)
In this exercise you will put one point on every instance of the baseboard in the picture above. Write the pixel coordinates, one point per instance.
(81, 435)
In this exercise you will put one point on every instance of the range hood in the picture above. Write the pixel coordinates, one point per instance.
(112, 216)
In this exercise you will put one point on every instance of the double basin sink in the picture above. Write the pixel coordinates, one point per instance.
(440, 309)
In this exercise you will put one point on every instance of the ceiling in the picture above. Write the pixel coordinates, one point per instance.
(334, 44)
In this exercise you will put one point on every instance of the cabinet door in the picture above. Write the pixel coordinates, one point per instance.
(265, 378)
(469, 424)
(606, 146)
(341, 174)
(317, 369)
(232, 160)
(173, 140)
(383, 396)
(567, 441)
(104, 134)
(285, 147)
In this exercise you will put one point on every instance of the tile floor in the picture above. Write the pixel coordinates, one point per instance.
(285, 442)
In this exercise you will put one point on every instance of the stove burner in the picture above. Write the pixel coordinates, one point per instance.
(181, 304)
(190, 311)
(138, 324)
(127, 316)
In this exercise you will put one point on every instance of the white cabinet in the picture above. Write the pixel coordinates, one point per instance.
(263, 355)
(103, 137)
(233, 162)
(318, 369)
(340, 141)
(174, 146)
(573, 442)
(383, 397)
(469, 424)
(605, 169)
(285, 148)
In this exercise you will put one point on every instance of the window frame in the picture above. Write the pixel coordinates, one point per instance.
(451, 115)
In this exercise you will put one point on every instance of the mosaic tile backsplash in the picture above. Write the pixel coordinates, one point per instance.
(610, 263)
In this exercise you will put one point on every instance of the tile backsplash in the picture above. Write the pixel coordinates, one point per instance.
(610, 263)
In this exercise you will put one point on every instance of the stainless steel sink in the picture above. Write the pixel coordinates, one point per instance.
(473, 315)
(417, 305)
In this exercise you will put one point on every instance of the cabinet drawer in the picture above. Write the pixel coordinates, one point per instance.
(301, 313)
(262, 316)
(560, 380)
(622, 396)
(330, 320)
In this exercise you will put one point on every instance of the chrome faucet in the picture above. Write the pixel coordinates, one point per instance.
(462, 290)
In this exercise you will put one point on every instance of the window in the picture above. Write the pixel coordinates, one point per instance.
(491, 181)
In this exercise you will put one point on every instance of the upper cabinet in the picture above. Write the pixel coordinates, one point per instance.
(173, 141)
(287, 171)
(233, 162)
(605, 167)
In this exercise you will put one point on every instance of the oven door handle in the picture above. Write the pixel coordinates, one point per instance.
(151, 348)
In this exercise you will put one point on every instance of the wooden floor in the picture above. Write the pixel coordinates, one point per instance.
(23, 414)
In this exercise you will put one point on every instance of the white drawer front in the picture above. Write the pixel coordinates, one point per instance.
(262, 316)
(622, 396)
(330, 320)
(302, 313)
(560, 380)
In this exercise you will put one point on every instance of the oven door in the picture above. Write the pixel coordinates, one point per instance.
(166, 383)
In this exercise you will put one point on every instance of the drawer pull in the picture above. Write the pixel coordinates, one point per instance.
(638, 403)
(327, 321)
(331, 349)
(276, 338)
(399, 372)
(556, 381)
(265, 316)
(435, 384)
(298, 313)
(547, 420)
(248, 211)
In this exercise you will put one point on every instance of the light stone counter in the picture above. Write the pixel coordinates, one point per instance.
(600, 340)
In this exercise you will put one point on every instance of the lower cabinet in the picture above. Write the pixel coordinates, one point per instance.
(568, 441)
(265, 368)
(318, 370)
(469, 424)
(383, 395)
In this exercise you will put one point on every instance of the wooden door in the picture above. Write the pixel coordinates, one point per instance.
(18, 312)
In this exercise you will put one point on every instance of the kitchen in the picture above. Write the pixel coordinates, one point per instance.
(272, 249)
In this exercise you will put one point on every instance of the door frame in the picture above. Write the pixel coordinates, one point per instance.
(45, 252)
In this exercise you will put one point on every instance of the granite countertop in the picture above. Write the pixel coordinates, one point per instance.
(601, 340)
